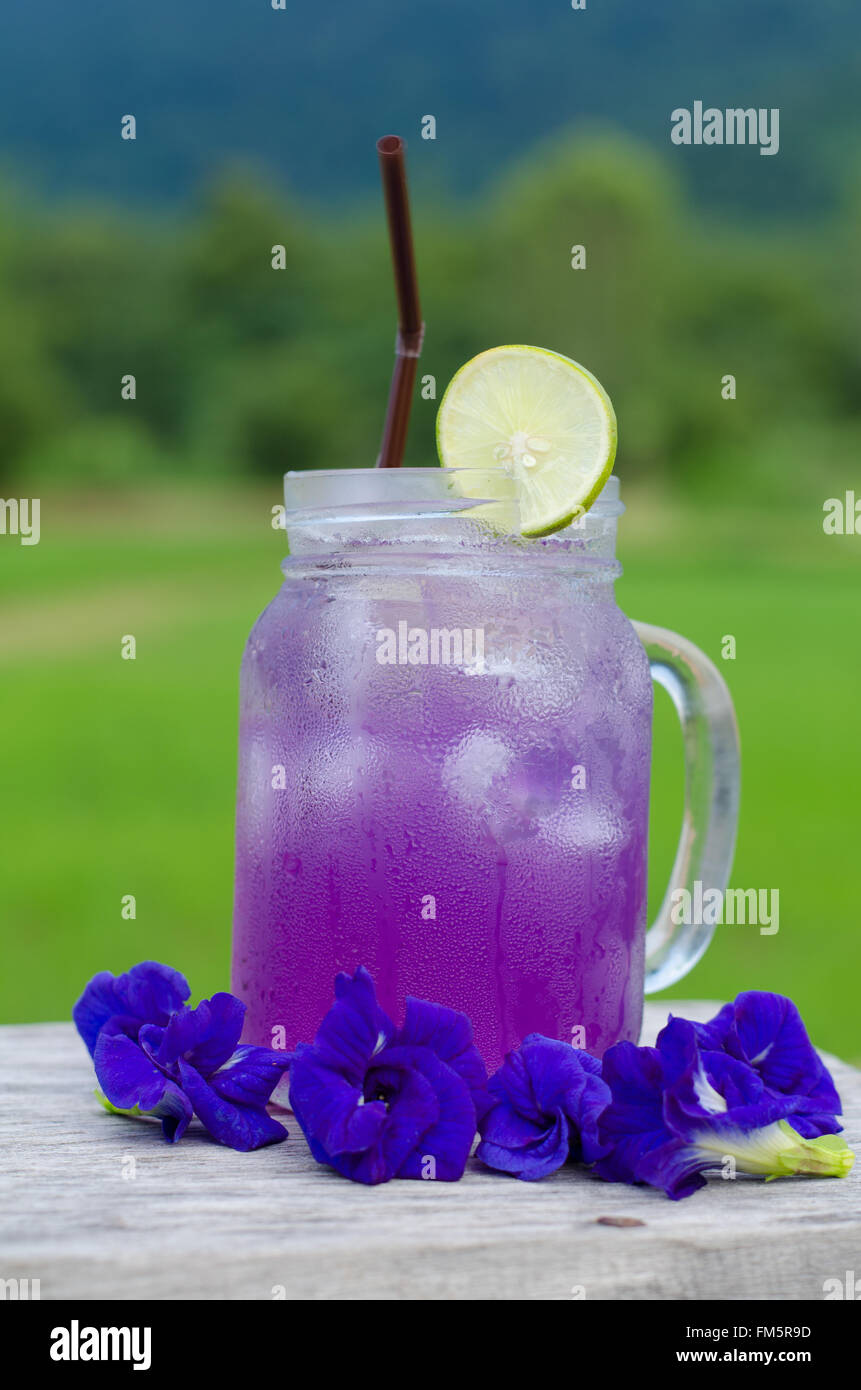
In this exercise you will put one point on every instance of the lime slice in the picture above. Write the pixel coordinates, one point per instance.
(541, 419)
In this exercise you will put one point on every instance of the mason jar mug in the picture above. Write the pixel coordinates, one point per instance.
(445, 747)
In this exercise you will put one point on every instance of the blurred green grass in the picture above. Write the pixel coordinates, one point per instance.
(119, 775)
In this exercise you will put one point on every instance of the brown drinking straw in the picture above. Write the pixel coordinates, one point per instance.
(411, 329)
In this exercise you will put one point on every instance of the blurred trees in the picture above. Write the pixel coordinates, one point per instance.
(241, 368)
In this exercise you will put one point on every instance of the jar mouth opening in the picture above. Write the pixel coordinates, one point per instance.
(438, 518)
(339, 493)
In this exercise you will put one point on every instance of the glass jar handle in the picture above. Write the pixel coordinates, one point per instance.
(704, 706)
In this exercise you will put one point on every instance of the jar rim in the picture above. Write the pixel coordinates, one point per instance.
(315, 491)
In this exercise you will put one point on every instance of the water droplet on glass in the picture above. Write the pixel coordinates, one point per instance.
(292, 865)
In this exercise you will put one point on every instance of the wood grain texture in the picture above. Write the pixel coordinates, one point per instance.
(199, 1221)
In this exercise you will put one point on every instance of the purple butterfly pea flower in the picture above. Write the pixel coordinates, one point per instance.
(377, 1102)
(766, 1031)
(154, 1056)
(148, 993)
(547, 1097)
(678, 1110)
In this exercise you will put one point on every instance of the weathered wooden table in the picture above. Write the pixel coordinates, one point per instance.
(95, 1206)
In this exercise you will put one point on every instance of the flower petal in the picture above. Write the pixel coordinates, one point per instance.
(712, 1035)
(129, 1078)
(549, 1099)
(768, 1034)
(813, 1126)
(506, 1126)
(154, 991)
(126, 1074)
(242, 1127)
(564, 1077)
(414, 1108)
(588, 1104)
(148, 992)
(175, 1112)
(332, 1113)
(633, 1124)
(512, 1084)
(98, 1003)
(441, 1148)
(251, 1075)
(712, 1089)
(676, 1167)
(447, 1033)
(362, 1140)
(354, 1029)
(206, 1036)
(542, 1154)
(220, 1036)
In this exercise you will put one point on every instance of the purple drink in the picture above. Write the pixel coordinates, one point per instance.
(444, 771)
(473, 836)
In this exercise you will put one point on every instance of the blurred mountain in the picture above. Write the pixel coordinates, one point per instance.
(302, 93)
